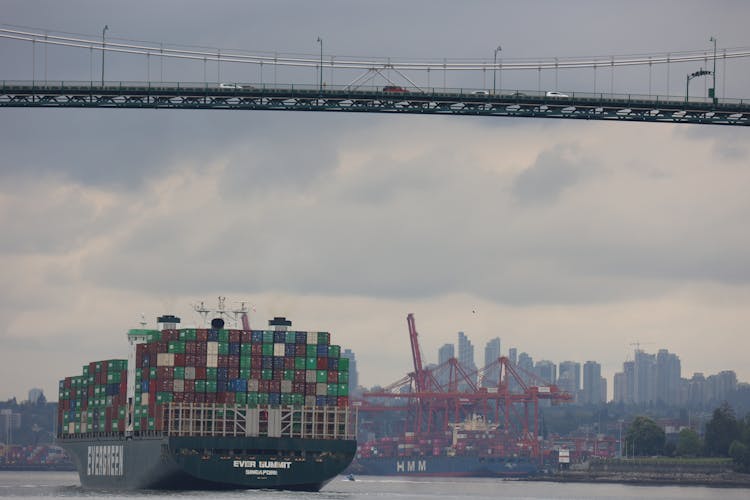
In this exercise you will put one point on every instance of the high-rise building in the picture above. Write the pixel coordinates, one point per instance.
(645, 378)
(446, 352)
(491, 355)
(620, 387)
(35, 395)
(592, 383)
(353, 374)
(668, 376)
(466, 357)
(546, 370)
(719, 386)
(569, 379)
(513, 355)
(526, 364)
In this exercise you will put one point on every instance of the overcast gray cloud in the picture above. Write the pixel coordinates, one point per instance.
(596, 233)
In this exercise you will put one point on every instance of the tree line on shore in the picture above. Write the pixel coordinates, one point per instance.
(725, 436)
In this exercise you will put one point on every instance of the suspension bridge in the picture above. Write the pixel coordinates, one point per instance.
(368, 84)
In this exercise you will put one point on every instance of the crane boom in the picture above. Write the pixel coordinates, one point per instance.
(419, 374)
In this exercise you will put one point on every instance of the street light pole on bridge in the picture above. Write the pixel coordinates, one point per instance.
(494, 70)
(712, 94)
(320, 41)
(106, 27)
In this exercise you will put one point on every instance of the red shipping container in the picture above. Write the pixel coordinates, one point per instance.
(343, 401)
(233, 372)
(162, 345)
(190, 347)
(245, 336)
(300, 376)
(234, 360)
(298, 387)
(179, 359)
(200, 373)
(234, 336)
(210, 397)
(188, 397)
(322, 363)
(138, 356)
(201, 334)
(263, 385)
(289, 363)
(200, 397)
(92, 368)
(310, 388)
(152, 389)
(177, 397)
(165, 372)
(201, 360)
(333, 377)
(201, 348)
(256, 350)
(223, 361)
(91, 391)
(275, 386)
(165, 385)
(189, 385)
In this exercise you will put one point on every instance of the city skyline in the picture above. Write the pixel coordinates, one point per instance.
(568, 239)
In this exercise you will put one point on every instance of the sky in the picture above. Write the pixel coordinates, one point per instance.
(568, 240)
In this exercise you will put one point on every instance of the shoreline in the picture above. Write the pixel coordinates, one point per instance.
(721, 480)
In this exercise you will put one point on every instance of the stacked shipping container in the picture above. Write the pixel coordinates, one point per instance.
(215, 366)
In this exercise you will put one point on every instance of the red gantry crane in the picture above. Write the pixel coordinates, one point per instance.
(437, 398)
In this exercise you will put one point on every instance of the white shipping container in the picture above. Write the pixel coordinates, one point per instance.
(144, 398)
(189, 373)
(161, 359)
(84, 426)
(312, 337)
(170, 359)
(309, 400)
(212, 360)
(179, 385)
(286, 386)
(71, 427)
(212, 347)
(252, 385)
(321, 389)
(311, 376)
(278, 350)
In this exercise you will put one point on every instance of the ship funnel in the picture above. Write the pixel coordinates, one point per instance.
(167, 322)
(217, 323)
(279, 323)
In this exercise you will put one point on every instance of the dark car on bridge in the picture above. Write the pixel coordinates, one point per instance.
(393, 88)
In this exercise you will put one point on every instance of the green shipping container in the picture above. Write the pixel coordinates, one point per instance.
(200, 386)
(179, 372)
(245, 361)
(240, 398)
(163, 397)
(288, 374)
(223, 347)
(321, 376)
(334, 351)
(268, 337)
(266, 374)
(299, 364)
(312, 351)
(176, 346)
(211, 386)
(333, 389)
(344, 364)
(246, 349)
(152, 373)
(343, 389)
(223, 336)
(188, 334)
(267, 350)
(263, 398)
(245, 373)
(290, 338)
(311, 363)
(212, 373)
(252, 398)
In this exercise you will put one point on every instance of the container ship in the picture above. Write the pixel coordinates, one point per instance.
(470, 449)
(211, 409)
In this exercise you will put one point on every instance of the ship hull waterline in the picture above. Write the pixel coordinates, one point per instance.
(208, 463)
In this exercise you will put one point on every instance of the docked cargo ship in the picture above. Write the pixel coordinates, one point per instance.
(211, 408)
(469, 449)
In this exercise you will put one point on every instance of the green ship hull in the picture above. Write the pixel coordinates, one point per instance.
(208, 463)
